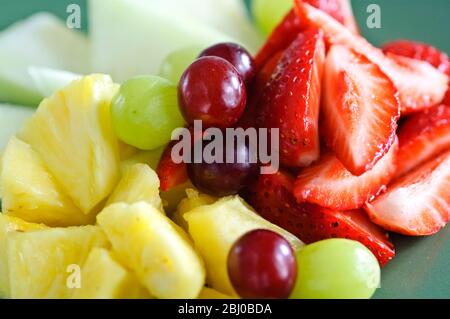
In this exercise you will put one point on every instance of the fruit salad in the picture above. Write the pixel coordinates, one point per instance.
(123, 182)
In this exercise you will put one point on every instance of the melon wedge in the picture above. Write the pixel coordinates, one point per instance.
(12, 118)
(41, 40)
(132, 37)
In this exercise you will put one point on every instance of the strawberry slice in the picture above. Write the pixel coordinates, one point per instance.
(291, 100)
(328, 184)
(420, 51)
(272, 197)
(170, 174)
(418, 204)
(260, 81)
(280, 38)
(447, 98)
(420, 85)
(288, 29)
(360, 110)
(341, 10)
(422, 137)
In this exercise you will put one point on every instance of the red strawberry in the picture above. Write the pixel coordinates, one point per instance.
(328, 184)
(423, 136)
(260, 81)
(291, 26)
(281, 37)
(272, 197)
(170, 173)
(291, 100)
(360, 110)
(447, 98)
(341, 10)
(420, 85)
(420, 51)
(419, 203)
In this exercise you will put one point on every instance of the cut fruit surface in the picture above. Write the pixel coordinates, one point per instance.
(193, 200)
(423, 136)
(418, 204)
(8, 225)
(272, 196)
(12, 118)
(139, 183)
(40, 262)
(419, 84)
(157, 30)
(105, 278)
(48, 81)
(31, 193)
(288, 29)
(280, 38)
(420, 51)
(328, 184)
(291, 100)
(48, 43)
(360, 110)
(155, 248)
(341, 10)
(215, 228)
(73, 134)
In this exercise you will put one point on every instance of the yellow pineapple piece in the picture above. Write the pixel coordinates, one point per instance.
(30, 192)
(46, 263)
(7, 225)
(209, 293)
(193, 200)
(72, 132)
(150, 244)
(139, 183)
(215, 228)
(102, 277)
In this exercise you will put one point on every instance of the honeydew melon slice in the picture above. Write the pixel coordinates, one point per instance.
(132, 37)
(48, 81)
(12, 118)
(227, 16)
(40, 40)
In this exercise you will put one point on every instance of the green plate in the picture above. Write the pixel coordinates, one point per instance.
(421, 267)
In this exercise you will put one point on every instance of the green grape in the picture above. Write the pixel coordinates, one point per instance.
(268, 13)
(145, 112)
(336, 269)
(177, 62)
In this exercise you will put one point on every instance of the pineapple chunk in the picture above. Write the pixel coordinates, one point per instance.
(30, 192)
(40, 262)
(139, 183)
(7, 225)
(208, 293)
(149, 243)
(102, 277)
(193, 200)
(215, 228)
(72, 132)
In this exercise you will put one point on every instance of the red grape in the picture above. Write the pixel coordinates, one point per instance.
(239, 57)
(262, 265)
(211, 90)
(223, 179)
